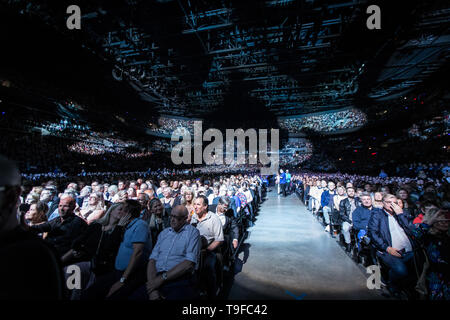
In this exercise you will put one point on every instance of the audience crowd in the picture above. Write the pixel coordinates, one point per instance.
(159, 235)
(398, 223)
(168, 125)
(328, 122)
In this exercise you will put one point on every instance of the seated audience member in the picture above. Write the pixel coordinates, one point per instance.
(95, 250)
(132, 193)
(130, 262)
(378, 200)
(235, 201)
(32, 198)
(230, 227)
(167, 200)
(47, 197)
(173, 260)
(112, 191)
(83, 198)
(424, 208)
(362, 213)
(214, 194)
(187, 200)
(143, 200)
(390, 234)
(30, 268)
(346, 209)
(432, 235)
(95, 208)
(36, 214)
(62, 230)
(121, 196)
(327, 203)
(156, 219)
(210, 228)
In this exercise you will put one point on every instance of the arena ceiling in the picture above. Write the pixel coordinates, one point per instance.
(286, 57)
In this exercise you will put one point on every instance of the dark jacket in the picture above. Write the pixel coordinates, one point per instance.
(62, 234)
(231, 228)
(378, 229)
(345, 209)
(361, 217)
(327, 198)
(31, 268)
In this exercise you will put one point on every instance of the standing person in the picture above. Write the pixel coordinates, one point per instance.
(283, 182)
(30, 268)
(277, 182)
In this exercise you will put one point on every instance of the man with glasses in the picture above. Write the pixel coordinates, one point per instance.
(390, 233)
(173, 261)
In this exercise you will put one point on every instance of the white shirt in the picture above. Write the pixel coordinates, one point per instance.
(399, 238)
(211, 198)
(248, 195)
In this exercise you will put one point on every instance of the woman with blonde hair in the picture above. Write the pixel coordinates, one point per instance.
(95, 208)
(188, 201)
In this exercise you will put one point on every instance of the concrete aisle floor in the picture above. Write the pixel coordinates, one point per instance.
(289, 254)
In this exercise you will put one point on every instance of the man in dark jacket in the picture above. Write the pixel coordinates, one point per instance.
(230, 227)
(362, 214)
(65, 228)
(346, 209)
(390, 234)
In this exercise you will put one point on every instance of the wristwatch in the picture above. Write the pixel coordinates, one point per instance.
(164, 275)
(122, 280)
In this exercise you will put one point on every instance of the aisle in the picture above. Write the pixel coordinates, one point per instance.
(289, 254)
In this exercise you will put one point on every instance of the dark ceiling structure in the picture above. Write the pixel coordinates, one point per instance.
(285, 57)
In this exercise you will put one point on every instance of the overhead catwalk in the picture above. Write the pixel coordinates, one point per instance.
(289, 256)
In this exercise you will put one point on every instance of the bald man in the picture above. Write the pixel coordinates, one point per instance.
(63, 229)
(29, 267)
(172, 261)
